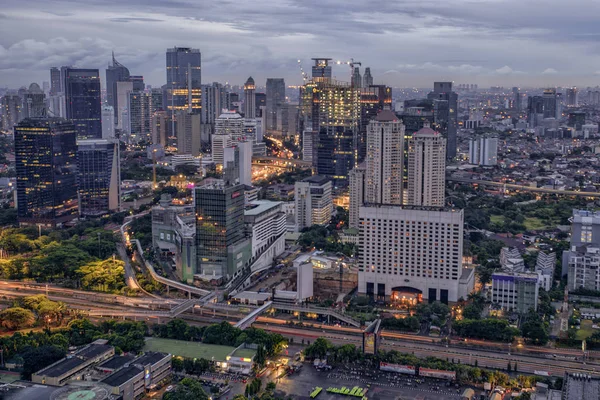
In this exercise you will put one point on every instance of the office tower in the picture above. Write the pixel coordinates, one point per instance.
(99, 176)
(287, 119)
(159, 127)
(55, 85)
(249, 99)
(46, 165)
(409, 254)
(116, 72)
(122, 99)
(230, 123)
(367, 78)
(356, 80)
(137, 82)
(46, 87)
(275, 99)
(576, 119)
(572, 97)
(11, 111)
(108, 122)
(357, 194)
(372, 100)
(222, 248)
(188, 133)
(516, 291)
(581, 261)
(517, 103)
(446, 114)
(426, 168)
(483, 151)
(83, 101)
(245, 162)
(550, 102)
(34, 102)
(183, 80)
(141, 108)
(260, 99)
(307, 144)
(219, 144)
(321, 70)
(231, 165)
(233, 101)
(535, 111)
(314, 203)
(385, 159)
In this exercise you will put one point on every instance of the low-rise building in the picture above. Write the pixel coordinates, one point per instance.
(545, 264)
(73, 366)
(511, 260)
(265, 223)
(580, 387)
(515, 291)
(583, 265)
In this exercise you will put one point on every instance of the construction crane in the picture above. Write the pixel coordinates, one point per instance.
(302, 72)
(351, 63)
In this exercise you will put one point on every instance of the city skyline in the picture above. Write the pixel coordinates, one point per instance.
(491, 43)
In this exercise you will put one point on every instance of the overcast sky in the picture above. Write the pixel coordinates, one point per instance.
(405, 42)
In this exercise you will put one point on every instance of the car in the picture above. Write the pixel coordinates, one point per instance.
(169, 388)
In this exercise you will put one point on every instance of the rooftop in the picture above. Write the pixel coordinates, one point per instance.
(581, 387)
(93, 350)
(260, 206)
(116, 362)
(151, 358)
(386, 116)
(121, 376)
(61, 367)
(426, 131)
(318, 179)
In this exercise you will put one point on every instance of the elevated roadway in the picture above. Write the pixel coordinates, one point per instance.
(523, 188)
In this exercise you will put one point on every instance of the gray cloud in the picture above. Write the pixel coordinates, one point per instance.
(405, 43)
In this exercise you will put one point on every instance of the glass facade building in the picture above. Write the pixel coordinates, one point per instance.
(45, 157)
(116, 72)
(183, 75)
(83, 102)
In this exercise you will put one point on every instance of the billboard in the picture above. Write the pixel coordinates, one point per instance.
(401, 369)
(368, 343)
(437, 373)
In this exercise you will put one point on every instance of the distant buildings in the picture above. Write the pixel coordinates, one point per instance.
(275, 99)
(99, 176)
(358, 191)
(572, 97)
(11, 111)
(230, 123)
(183, 80)
(108, 122)
(483, 151)
(445, 103)
(545, 265)
(116, 72)
(582, 259)
(46, 166)
(83, 101)
(188, 133)
(249, 99)
(426, 168)
(367, 78)
(314, 202)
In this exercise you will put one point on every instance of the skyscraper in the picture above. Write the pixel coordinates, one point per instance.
(357, 194)
(550, 101)
(426, 168)
(230, 123)
(34, 102)
(517, 99)
(446, 113)
(116, 72)
(108, 122)
(188, 133)
(83, 101)
(314, 203)
(249, 99)
(261, 101)
(483, 151)
(367, 78)
(159, 128)
(183, 80)
(572, 98)
(55, 85)
(356, 78)
(122, 99)
(535, 110)
(219, 144)
(99, 176)
(46, 166)
(11, 111)
(321, 70)
(141, 108)
(385, 159)
(275, 99)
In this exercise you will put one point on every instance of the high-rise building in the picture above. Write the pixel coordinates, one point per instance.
(219, 144)
(572, 97)
(357, 194)
(385, 159)
(517, 99)
(159, 127)
(245, 162)
(188, 133)
(108, 122)
(550, 101)
(230, 123)
(55, 84)
(11, 111)
(535, 111)
(483, 151)
(249, 99)
(46, 166)
(116, 72)
(367, 78)
(307, 144)
(223, 250)
(409, 254)
(287, 119)
(34, 102)
(515, 291)
(275, 99)
(426, 168)
(356, 78)
(122, 98)
(314, 203)
(183, 80)
(99, 176)
(83, 101)
(260, 99)
(321, 70)
(138, 83)
(141, 109)
(446, 114)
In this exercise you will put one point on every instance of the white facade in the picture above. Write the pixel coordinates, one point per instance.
(515, 291)
(410, 249)
(219, 144)
(483, 151)
(426, 168)
(123, 90)
(230, 123)
(108, 122)
(511, 260)
(545, 265)
(356, 179)
(384, 159)
(265, 221)
(305, 281)
(314, 202)
(245, 152)
(307, 145)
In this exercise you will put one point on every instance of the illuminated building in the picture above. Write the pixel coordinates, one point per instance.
(83, 101)
(412, 254)
(11, 111)
(99, 176)
(46, 166)
(219, 144)
(426, 168)
(314, 202)
(159, 127)
(183, 80)
(34, 102)
(230, 123)
(249, 99)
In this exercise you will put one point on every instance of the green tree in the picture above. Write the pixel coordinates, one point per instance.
(187, 389)
(271, 386)
(106, 275)
(37, 358)
(16, 318)
(261, 357)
